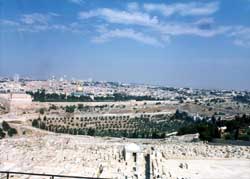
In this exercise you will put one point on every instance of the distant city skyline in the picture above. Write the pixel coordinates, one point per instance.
(71, 78)
(182, 43)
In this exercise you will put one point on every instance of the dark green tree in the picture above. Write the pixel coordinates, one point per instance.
(5, 126)
(35, 123)
(2, 134)
(12, 131)
(91, 132)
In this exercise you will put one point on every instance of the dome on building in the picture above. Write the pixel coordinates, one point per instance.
(79, 89)
(133, 148)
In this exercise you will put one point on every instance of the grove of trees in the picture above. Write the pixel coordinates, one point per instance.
(42, 96)
(237, 129)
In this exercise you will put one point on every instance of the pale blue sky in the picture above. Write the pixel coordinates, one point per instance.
(200, 44)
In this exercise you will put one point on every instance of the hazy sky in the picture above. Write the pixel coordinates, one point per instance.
(199, 43)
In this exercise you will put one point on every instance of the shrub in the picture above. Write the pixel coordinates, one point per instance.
(35, 123)
(6, 126)
(42, 125)
(91, 132)
(41, 110)
(70, 109)
(2, 134)
(206, 131)
(80, 107)
(228, 136)
(53, 107)
(244, 137)
(248, 131)
(190, 129)
(12, 131)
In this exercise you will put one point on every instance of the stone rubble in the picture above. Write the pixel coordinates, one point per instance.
(107, 158)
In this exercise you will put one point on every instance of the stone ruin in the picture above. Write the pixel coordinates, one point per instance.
(112, 157)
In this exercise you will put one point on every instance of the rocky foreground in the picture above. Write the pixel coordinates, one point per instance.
(121, 158)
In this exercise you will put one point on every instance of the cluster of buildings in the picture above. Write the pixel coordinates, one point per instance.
(13, 93)
(101, 88)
